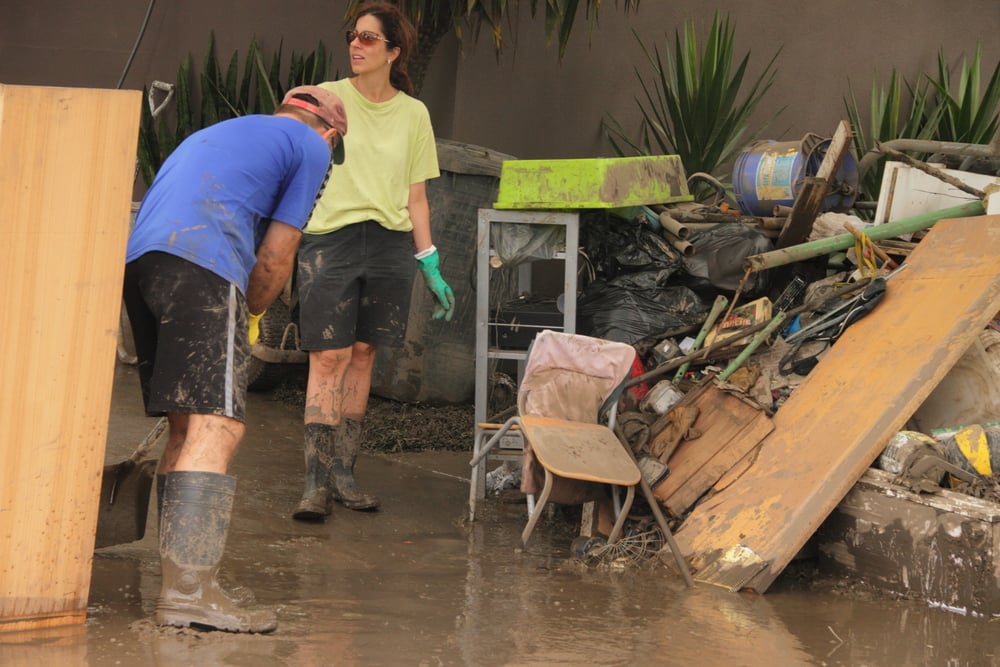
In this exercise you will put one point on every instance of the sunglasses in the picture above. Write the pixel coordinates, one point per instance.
(367, 38)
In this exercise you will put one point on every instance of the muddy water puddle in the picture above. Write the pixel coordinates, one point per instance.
(413, 584)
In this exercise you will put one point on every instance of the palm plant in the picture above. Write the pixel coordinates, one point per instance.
(224, 95)
(434, 19)
(692, 107)
(969, 116)
(889, 119)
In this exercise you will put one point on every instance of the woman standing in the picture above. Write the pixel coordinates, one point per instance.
(356, 260)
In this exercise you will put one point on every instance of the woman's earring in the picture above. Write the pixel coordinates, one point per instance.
(389, 61)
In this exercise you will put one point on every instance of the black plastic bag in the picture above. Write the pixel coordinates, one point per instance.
(720, 253)
(617, 246)
(629, 315)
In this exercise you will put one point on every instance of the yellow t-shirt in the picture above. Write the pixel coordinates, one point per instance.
(388, 146)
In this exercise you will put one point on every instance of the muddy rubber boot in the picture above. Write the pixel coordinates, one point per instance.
(316, 501)
(161, 482)
(345, 453)
(196, 511)
(240, 595)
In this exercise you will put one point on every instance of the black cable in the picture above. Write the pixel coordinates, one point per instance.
(135, 47)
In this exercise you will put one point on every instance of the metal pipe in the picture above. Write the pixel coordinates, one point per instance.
(923, 146)
(720, 303)
(803, 251)
(759, 338)
(685, 248)
(673, 226)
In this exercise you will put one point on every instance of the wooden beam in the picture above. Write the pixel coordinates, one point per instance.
(814, 190)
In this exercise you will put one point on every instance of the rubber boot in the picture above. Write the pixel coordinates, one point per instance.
(345, 453)
(161, 482)
(196, 511)
(315, 502)
(240, 595)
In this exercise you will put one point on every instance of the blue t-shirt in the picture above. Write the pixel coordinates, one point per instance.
(215, 195)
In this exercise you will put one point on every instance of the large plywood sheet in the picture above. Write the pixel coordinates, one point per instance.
(838, 420)
(67, 157)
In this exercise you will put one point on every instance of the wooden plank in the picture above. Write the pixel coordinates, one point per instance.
(729, 426)
(862, 392)
(739, 445)
(66, 187)
(814, 190)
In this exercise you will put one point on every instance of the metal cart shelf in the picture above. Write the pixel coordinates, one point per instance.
(486, 355)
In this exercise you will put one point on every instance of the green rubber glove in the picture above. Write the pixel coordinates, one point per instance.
(255, 327)
(430, 267)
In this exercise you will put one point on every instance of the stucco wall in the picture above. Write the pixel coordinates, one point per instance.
(545, 109)
(528, 104)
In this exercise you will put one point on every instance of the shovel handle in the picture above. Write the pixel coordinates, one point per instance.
(147, 443)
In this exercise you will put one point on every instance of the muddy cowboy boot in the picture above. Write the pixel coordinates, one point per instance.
(346, 446)
(196, 511)
(316, 500)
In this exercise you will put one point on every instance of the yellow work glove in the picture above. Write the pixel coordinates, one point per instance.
(255, 327)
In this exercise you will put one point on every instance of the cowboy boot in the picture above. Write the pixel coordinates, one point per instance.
(346, 446)
(315, 502)
(196, 512)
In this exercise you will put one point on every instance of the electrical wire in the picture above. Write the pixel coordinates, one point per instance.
(138, 40)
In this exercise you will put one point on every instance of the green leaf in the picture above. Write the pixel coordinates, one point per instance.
(232, 92)
(210, 86)
(148, 149)
(249, 69)
(185, 110)
(696, 102)
(267, 98)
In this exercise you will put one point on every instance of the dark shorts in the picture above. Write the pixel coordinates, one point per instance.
(191, 338)
(355, 285)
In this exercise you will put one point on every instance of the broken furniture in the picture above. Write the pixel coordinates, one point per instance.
(566, 379)
(68, 157)
(730, 426)
(837, 421)
(543, 198)
(488, 351)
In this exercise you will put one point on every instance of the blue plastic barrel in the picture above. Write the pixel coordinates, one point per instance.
(770, 173)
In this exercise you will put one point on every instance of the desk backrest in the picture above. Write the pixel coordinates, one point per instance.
(568, 376)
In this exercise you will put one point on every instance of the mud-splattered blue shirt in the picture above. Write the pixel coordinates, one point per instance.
(215, 195)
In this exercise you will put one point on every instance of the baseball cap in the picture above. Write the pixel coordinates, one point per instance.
(330, 109)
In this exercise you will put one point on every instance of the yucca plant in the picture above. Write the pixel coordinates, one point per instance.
(692, 105)
(971, 114)
(434, 19)
(890, 116)
(221, 95)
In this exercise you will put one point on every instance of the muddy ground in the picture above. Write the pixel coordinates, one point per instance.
(415, 584)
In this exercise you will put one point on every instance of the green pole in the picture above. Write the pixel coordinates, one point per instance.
(759, 338)
(797, 253)
(720, 303)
